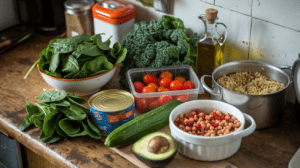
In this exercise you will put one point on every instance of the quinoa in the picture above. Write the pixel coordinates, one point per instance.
(250, 83)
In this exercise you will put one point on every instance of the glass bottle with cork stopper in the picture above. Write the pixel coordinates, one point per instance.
(211, 46)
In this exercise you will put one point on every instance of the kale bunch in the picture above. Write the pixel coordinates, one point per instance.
(158, 43)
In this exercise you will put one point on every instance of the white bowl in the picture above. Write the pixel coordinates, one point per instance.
(80, 87)
(209, 148)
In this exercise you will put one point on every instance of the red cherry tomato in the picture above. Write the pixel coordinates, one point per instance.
(166, 74)
(166, 90)
(153, 105)
(180, 78)
(188, 85)
(138, 86)
(165, 82)
(141, 104)
(158, 82)
(176, 85)
(149, 78)
(150, 99)
(160, 89)
(152, 85)
(164, 99)
(148, 90)
(182, 98)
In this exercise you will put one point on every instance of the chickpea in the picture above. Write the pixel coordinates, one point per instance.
(208, 117)
(231, 124)
(227, 117)
(190, 132)
(221, 124)
(219, 127)
(194, 132)
(213, 132)
(220, 134)
(211, 128)
(238, 124)
(187, 128)
(201, 114)
(194, 112)
(228, 114)
(198, 132)
(233, 118)
(181, 116)
(213, 135)
(201, 119)
(196, 117)
(194, 128)
(207, 134)
(191, 119)
(202, 129)
(181, 126)
(216, 129)
(208, 125)
(202, 125)
(235, 121)
(185, 120)
(186, 115)
(177, 119)
(217, 121)
(236, 129)
(226, 124)
(206, 121)
(228, 127)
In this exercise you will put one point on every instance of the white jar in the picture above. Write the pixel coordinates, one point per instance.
(114, 18)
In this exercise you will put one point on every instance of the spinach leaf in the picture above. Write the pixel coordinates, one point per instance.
(81, 74)
(55, 74)
(59, 131)
(90, 131)
(76, 99)
(49, 122)
(52, 95)
(89, 49)
(100, 44)
(115, 50)
(38, 117)
(69, 76)
(49, 139)
(121, 55)
(64, 47)
(95, 65)
(24, 126)
(63, 103)
(107, 42)
(93, 132)
(73, 113)
(97, 73)
(69, 64)
(79, 39)
(69, 127)
(83, 60)
(107, 65)
(76, 54)
(54, 62)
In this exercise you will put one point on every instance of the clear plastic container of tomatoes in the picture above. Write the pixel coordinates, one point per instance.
(148, 101)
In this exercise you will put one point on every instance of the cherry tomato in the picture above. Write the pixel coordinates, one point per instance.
(148, 90)
(153, 105)
(165, 82)
(152, 85)
(164, 99)
(166, 74)
(160, 89)
(141, 104)
(188, 85)
(182, 98)
(149, 78)
(138, 86)
(158, 82)
(176, 85)
(166, 90)
(150, 99)
(180, 78)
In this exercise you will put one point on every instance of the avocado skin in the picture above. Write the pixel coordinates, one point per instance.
(155, 163)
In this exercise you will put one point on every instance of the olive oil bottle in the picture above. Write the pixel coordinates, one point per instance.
(211, 46)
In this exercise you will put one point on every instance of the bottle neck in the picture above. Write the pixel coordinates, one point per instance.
(210, 30)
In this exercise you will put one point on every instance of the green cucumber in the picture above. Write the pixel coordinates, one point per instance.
(142, 125)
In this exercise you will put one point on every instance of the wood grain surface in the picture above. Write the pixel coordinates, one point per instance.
(272, 147)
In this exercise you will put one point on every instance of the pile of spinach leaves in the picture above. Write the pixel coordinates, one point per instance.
(60, 115)
(79, 57)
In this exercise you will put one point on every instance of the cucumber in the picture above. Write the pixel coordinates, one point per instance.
(142, 125)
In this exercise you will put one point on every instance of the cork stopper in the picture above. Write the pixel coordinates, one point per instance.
(211, 15)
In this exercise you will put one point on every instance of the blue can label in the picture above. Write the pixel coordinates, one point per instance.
(108, 121)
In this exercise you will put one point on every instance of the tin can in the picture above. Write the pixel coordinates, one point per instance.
(111, 108)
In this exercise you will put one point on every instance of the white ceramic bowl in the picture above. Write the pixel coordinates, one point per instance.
(209, 148)
(80, 87)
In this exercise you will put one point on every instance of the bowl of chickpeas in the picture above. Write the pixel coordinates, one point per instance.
(209, 130)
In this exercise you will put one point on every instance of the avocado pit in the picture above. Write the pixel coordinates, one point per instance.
(158, 144)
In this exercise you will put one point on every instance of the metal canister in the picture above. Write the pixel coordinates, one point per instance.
(79, 19)
(111, 108)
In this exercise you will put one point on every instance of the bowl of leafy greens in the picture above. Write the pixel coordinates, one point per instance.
(80, 64)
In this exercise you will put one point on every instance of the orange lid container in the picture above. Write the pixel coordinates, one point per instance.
(113, 11)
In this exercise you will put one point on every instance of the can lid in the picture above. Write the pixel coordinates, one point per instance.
(75, 6)
(113, 11)
(111, 100)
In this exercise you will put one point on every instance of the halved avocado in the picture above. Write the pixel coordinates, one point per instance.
(156, 149)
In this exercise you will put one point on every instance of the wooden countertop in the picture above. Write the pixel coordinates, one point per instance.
(271, 147)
